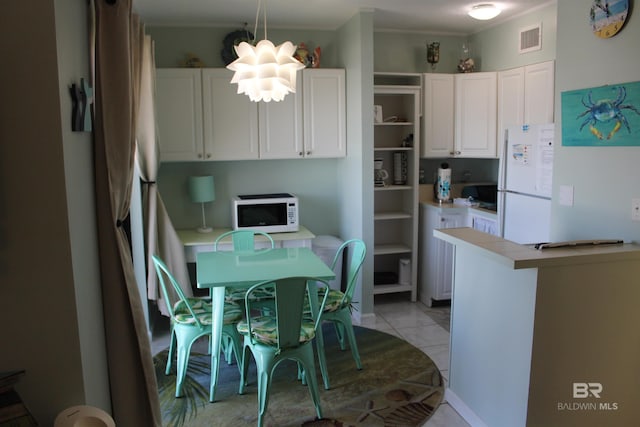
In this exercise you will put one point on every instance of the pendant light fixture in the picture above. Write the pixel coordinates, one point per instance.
(265, 72)
(484, 11)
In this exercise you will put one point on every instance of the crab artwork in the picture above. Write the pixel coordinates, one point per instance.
(606, 110)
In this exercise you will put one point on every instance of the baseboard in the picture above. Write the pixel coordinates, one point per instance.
(359, 319)
(461, 408)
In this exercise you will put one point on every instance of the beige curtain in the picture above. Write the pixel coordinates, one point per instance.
(161, 237)
(131, 372)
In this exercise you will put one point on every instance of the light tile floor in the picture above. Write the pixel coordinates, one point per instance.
(427, 328)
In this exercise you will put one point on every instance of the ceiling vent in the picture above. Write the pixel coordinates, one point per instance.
(530, 38)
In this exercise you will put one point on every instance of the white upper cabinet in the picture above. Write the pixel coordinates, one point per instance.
(539, 86)
(459, 115)
(281, 127)
(324, 112)
(179, 114)
(309, 123)
(202, 117)
(230, 119)
(438, 115)
(475, 115)
(510, 100)
(525, 96)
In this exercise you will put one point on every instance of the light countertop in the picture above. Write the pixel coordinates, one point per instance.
(522, 256)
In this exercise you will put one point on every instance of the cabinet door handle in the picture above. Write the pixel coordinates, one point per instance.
(208, 155)
(300, 154)
(308, 153)
(199, 155)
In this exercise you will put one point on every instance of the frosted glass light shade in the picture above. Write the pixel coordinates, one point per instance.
(484, 11)
(265, 72)
(201, 189)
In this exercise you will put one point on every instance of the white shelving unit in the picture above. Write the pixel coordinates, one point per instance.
(396, 203)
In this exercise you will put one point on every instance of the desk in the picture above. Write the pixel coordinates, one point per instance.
(195, 242)
(217, 270)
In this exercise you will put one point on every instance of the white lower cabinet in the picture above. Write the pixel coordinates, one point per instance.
(483, 221)
(436, 256)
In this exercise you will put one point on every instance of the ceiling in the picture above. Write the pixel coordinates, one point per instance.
(432, 16)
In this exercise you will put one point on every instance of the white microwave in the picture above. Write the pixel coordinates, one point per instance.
(271, 213)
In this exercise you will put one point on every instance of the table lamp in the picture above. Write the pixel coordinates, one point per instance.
(201, 190)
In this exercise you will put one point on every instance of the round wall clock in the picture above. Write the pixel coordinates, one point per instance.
(607, 17)
(231, 40)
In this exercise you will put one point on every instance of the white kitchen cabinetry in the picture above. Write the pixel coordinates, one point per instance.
(459, 118)
(484, 221)
(475, 114)
(395, 203)
(179, 114)
(228, 126)
(525, 96)
(438, 115)
(230, 119)
(310, 123)
(324, 101)
(436, 256)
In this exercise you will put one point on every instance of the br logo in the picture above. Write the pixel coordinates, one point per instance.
(584, 390)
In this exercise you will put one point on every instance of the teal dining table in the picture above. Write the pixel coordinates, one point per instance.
(228, 269)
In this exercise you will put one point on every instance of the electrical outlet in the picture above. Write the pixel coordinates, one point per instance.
(635, 209)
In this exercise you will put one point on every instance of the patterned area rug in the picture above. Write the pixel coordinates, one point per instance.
(398, 386)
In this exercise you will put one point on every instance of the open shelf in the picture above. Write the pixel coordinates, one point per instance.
(392, 288)
(396, 206)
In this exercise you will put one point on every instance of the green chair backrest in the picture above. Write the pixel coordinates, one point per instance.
(163, 273)
(356, 251)
(290, 293)
(243, 240)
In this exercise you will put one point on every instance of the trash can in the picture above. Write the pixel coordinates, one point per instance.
(325, 248)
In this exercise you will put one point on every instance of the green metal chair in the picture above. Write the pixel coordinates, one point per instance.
(190, 320)
(286, 333)
(338, 305)
(241, 241)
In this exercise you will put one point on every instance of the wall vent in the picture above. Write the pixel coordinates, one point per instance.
(530, 38)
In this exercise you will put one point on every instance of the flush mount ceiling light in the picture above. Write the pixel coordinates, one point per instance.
(484, 11)
(265, 72)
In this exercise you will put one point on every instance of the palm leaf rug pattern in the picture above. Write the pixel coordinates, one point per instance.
(398, 386)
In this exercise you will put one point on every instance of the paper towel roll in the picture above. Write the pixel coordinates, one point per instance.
(444, 183)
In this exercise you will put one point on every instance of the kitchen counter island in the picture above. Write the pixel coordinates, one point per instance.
(543, 337)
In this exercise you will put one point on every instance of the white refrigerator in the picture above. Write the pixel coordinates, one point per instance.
(524, 188)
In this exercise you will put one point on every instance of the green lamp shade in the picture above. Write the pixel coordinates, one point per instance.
(201, 189)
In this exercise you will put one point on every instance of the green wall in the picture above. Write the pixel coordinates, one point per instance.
(604, 179)
(497, 48)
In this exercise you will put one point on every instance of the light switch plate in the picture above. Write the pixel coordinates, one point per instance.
(566, 195)
(635, 209)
